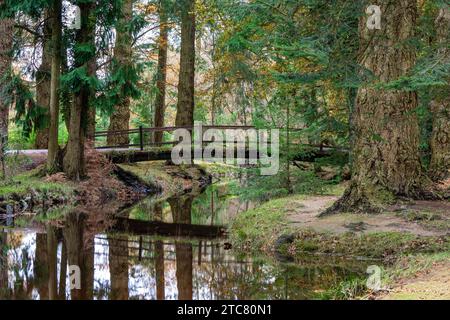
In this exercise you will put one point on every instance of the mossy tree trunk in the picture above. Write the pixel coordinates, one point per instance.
(386, 160)
(185, 105)
(43, 83)
(123, 56)
(160, 101)
(440, 106)
(6, 42)
(74, 160)
(53, 164)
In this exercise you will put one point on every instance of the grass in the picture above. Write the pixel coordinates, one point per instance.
(260, 227)
(24, 183)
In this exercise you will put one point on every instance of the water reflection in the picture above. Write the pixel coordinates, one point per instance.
(118, 264)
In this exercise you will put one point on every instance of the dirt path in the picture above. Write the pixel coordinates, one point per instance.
(303, 213)
(432, 285)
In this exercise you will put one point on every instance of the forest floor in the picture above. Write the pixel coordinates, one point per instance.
(410, 239)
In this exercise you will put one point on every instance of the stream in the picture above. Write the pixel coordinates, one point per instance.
(174, 250)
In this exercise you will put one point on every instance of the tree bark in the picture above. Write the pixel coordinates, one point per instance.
(440, 106)
(386, 160)
(53, 164)
(43, 76)
(185, 105)
(160, 101)
(123, 55)
(74, 161)
(6, 41)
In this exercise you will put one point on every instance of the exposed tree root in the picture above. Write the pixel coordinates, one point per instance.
(358, 200)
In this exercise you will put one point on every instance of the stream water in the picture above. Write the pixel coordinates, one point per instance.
(116, 264)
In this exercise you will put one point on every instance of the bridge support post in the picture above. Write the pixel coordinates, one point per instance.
(141, 138)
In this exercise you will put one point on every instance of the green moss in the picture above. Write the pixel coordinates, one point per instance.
(23, 184)
(261, 226)
(375, 245)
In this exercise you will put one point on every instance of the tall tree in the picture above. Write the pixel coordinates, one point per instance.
(161, 76)
(123, 61)
(185, 105)
(53, 147)
(43, 81)
(6, 42)
(386, 143)
(440, 106)
(74, 160)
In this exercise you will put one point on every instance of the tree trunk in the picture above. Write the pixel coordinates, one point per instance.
(160, 101)
(123, 55)
(43, 84)
(185, 105)
(440, 107)
(53, 164)
(6, 31)
(74, 161)
(386, 160)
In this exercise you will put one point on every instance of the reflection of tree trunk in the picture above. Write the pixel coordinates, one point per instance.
(159, 270)
(181, 212)
(80, 252)
(184, 270)
(118, 267)
(52, 249)
(123, 56)
(63, 272)
(159, 258)
(181, 209)
(160, 102)
(185, 105)
(43, 83)
(3, 266)
(41, 266)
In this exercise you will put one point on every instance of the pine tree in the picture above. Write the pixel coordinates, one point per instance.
(440, 106)
(6, 42)
(185, 105)
(386, 160)
(123, 56)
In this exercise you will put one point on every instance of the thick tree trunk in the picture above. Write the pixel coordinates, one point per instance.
(440, 107)
(6, 32)
(185, 105)
(43, 84)
(160, 101)
(120, 119)
(386, 160)
(74, 161)
(53, 164)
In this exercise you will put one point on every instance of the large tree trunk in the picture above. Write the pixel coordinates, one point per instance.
(74, 161)
(43, 84)
(386, 160)
(6, 32)
(120, 119)
(53, 164)
(185, 105)
(160, 101)
(440, 107)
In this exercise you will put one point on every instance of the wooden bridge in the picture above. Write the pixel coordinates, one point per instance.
(140, 146)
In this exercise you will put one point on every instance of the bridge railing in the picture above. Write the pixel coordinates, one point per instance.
(144, 140)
